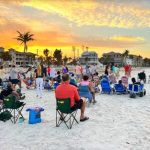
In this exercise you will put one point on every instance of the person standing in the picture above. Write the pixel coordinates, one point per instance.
(39, 80)
(13, 76)
(78, 71)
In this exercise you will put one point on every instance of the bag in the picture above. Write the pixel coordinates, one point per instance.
(4, 116)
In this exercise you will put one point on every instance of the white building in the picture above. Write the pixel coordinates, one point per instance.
(89, 57)
(20, 58)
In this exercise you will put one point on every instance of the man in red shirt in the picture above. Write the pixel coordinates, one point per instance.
(65, 90)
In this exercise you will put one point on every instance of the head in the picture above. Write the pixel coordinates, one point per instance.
(120, 82)
(133, 80)
(58, 72)
(85, 77)
(65, 78)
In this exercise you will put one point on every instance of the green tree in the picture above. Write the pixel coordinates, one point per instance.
(6, 56)
(58, 56)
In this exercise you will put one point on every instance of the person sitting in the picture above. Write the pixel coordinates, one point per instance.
(121, 84)
(65, 90)
(142, 76)
(91, 85)
(112, 78)
(124, 80)
(10, 90)
(96, 79)
(134, 81)
(47, 85)
(58, 78)
(72, 80)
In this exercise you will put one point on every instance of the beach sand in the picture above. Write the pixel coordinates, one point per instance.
(116, 122)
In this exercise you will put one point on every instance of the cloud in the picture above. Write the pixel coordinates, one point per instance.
(128, 39)
(98, 13)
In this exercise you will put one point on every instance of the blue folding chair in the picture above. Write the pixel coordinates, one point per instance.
(55, 85)
(84, 91)
(106, 88)
(119, 89)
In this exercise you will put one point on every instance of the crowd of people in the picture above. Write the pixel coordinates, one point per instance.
(66, 82)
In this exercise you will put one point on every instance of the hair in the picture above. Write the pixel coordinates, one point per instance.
(133, 80)
(85, 77)
(120, 81)
(65, 77)
(58, 72)
(96, 73)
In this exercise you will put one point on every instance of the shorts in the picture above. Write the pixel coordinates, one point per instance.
(77, 105)
(14, 81)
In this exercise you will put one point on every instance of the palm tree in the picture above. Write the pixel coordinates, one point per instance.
(125, 55)
(24, 38)
(46, 53)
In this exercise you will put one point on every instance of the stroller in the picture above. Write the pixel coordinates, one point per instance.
(136, 90)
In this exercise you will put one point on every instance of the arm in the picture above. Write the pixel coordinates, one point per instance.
(76, 95)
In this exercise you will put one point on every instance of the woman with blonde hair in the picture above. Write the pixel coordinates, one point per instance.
(39, 80)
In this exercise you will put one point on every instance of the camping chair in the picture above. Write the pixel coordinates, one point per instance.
(84, 91)
(66, 114)
(14, 107)
(119, 89)
(106, 88)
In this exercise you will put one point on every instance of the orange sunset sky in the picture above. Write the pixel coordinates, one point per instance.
(101, 25)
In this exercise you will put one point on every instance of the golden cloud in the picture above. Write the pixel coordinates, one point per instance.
(102, 13)
(127, 39)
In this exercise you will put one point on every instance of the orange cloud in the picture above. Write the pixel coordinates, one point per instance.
(128, 39)
(102, 13)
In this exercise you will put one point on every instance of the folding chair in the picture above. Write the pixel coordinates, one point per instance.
(14, 107)
(65, 113)
(119, 89)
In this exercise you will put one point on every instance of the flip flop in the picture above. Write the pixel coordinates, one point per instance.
(84, 119)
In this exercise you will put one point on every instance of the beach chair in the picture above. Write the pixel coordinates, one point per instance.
(105, 85)
(64, 114)
(119, 89)
(14, 107)
(84, 91)
(55, 85)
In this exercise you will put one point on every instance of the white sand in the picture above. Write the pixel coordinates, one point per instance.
(116, 123)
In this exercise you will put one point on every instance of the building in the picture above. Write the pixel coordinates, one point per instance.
(89, 57)
(20, 58)
(112, 58)
(137, 61)
(1, 51)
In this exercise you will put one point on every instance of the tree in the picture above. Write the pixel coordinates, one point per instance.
(24, 38)
(46, 53)
(65, 60)
(6, 56)
(125, 55)
(58, 56)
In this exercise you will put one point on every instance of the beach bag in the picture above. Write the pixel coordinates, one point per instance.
(4, 116)
(132, 95)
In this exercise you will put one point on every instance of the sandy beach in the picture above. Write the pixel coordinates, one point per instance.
(116, 122)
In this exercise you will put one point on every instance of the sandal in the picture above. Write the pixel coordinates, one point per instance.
(84, 119)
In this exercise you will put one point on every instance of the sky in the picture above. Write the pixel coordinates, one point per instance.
(100, 25)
